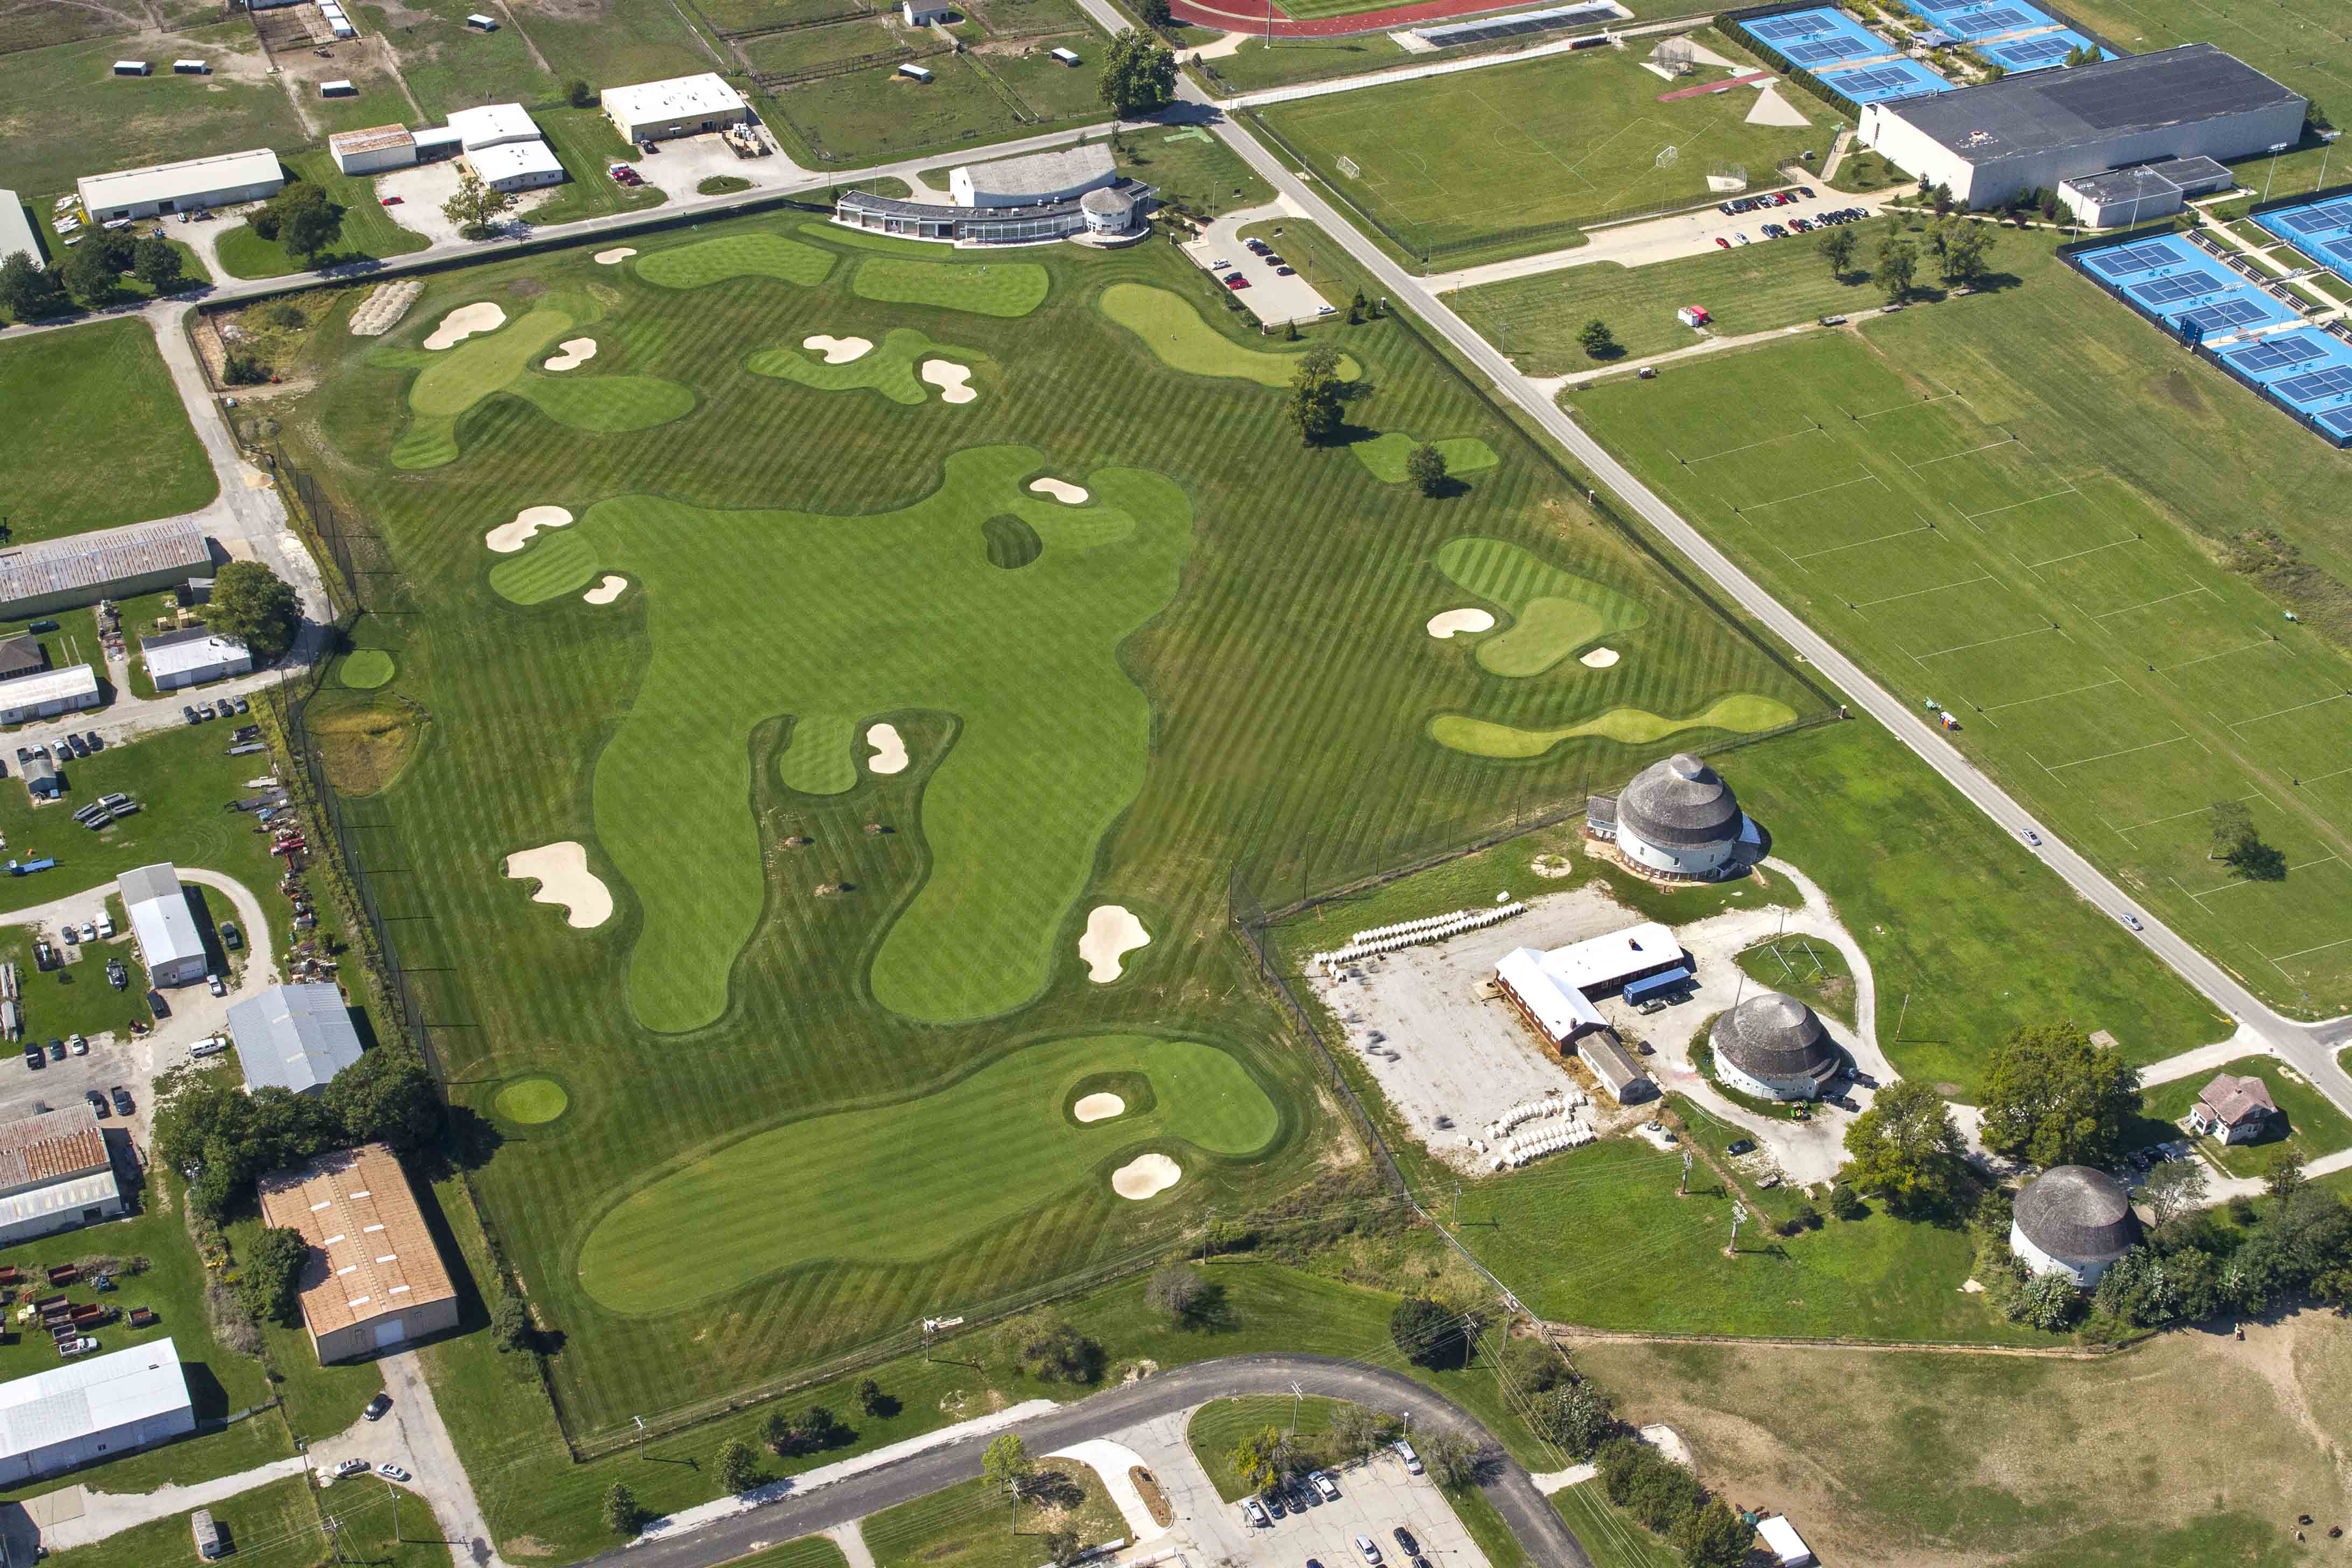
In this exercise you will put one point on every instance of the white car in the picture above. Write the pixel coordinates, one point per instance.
(1254, 1514)
(1742, 237)
(1412, 1460)
(90, 930)
(1371, 1550)
(393, 1473)
(210, 1046)
(80, 1046)
(1325, 1484)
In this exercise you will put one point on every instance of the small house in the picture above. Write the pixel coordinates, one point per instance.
(918, 13)
(2235, 1110)
(132, 68)
(1619, 1073)
(41, 779)
(1692, 316)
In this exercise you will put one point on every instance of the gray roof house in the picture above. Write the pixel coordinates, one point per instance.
(294, 1037)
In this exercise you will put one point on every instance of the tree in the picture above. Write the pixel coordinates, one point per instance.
(2175, 1188)
(255, 606)
(1577, 1417)
(2237, 843)
(1942, 198)
(154, 263)
(738, 1467)
(300, 217)
(579, 94)
(1428, 1333)
(1533, 1365)
(269, 1275)
(1845, 1201)
(1358, 1430)
(1008, 1467)
(1063, 1547)
(1042, 1343)
(28, 292)
(476, 208)
(1356, 308)
(776, 1433)
(1714, 1536)
(1139, 75)
(1156, 15)
(1425, 467)
(1451, 1457)
(1966, 253)
(1898, 264)
(1314, 402)
(1264, 1457)
(2050, 1301)
(622, 1514)
(2053, 1097)
(91, 274)
(1178, 1292)
(1905, 1147)
(869, 1396)
(1837, 250)
(511, 1325)
(2285, 1177)
(1599, 342)
(1801, 1218)
(386, 1096)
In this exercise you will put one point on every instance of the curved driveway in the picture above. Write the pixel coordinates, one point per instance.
(1531, 1517)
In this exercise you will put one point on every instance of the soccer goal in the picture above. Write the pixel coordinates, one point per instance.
(1669, 157)
(1348, 167)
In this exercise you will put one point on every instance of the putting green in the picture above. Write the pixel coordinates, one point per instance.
(366, 669)
(1553, 613)
(889, 367)
(707, 262)
(1169, 325)
(531, 1101)
(1385, 455)
(984, 289)
(1741, 713)
(824, 618)
(899, 1183)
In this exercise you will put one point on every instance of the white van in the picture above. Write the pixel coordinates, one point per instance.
(210, 1046)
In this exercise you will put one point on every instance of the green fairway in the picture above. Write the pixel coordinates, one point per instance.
(756, 254)
(1384, 456)
(1740, 715)
(1167, 322)
(102, 436)
(889, 367)
(531, 1101)
(1505, 161)
(1553, 613)
(991, 289)
(893, 1184)
(364, 670)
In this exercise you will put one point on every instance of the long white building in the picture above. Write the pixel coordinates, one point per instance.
(195, 184)
(55, 1175)
(1554, 990)
(90, 1410)
(682, 106)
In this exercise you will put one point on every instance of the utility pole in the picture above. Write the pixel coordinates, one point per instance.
(335, 1538)
(1683, 1191)
(1739, 1212)
(1458, 1206)
(1903, 1014)
(641, 1435)
(1297, 1395)
(394, 1498)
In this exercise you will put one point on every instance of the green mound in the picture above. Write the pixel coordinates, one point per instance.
(886, 611)
(366, 669)
(531, 1101)
(895, 1184)
(1554, 612)
(1740, 713)
(1173, 330)
(820, 760)
(890, 367)
(708, 262)
(984, 289)
(1384, 456)
(1012, 543)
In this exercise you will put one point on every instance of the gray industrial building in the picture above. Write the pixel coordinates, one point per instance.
(2141, 194)
(190, 656)
(52, 574)
(169, 942)
(90, 1410)
(2036, 131)
(55, 1175)
(193, 184)
(294, 1037)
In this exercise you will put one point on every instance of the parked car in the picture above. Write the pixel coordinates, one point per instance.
(56, 1050)
(1404, 1450)
(1806, 192)
(1723, 242)
(393, 1472)
(1237, 283)
(1740, 1146)
(1219, 263)
(1254, 1516)
(219, 986)
(210, 1046)
(97, 1103)
(188, 712)
(1286, 272)
(353, 1466)
(242, 704)
(1271, 1500)
(33, 1058)
(79, 1046)
(1405, 1541)
(231, 938)
(1742, 238)
(90, 930)
(1325, 1484)
(1370, 1548)
(71, 1348)
(378, 1407)
(122, 1097)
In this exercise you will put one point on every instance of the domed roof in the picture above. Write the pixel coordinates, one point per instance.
(1679, 804)
(2077, 1214)
(1775, 1037)
(1106, 201)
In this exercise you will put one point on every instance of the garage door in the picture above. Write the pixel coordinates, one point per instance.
(389, 1333)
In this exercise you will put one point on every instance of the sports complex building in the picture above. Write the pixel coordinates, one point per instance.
(1014, 201)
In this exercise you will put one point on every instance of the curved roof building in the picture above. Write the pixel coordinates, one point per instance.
(1677, 816)
(2073, 1220)
(1774, 1047)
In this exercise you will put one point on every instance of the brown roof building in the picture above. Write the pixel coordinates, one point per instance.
(375, 1279)
(2235, 1110)
(55, 1173)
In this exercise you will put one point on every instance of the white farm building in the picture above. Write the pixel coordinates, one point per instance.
(1774, 1048)
(512, 166)
(224, 180)
(1676, 816)
(374, 150)
(169, 942)
(682, 106)
(69, 690)
(1554, 990)
(294, 1037)
(16, 233)
(89, 1410)
(2075, 1220)
(55, 1175)
(190, 656)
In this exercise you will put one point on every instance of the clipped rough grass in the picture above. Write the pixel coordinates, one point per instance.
(702, 262)
(1740, 713)
(1553, 613)
(888, 368)
(95, 401)
(1174, 331)
(1053, 739)
(365, 741)
(531, 1101)
(1384, 456)
(969, 1525)
(902, 1182)
(985, 289)
(366, 669)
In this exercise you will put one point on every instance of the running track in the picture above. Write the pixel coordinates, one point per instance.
(1241, 16)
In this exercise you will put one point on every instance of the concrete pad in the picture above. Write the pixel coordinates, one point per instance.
(1772, 108)
(1112, 932)
(1445, 623)
(464, 322)
(1146, 1175)
(422, 190)
(1113, 1461)
(563, 878)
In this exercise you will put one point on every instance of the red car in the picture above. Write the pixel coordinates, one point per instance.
(1237, 281)
(391, 201)
(1723, 242)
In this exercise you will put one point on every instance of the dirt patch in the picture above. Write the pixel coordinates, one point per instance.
(526, 1546)
(2178, 390)
(1155, 1501)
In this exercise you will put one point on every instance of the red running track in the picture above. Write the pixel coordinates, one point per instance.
(1241, 16)
(1723, 86)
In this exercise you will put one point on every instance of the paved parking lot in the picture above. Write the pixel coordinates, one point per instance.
(1374, 1498)
(1271, 297)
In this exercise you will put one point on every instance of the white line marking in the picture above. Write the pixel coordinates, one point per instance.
(2072, 691)
(2126, 752)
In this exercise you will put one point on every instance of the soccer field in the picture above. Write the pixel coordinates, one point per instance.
(1499, 162)
(667, 567)
(2099, 663)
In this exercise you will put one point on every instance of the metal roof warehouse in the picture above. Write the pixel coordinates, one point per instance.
(221, 180)
(108, 563)
(78, 1412)
(293, 1037)
(375, 1279)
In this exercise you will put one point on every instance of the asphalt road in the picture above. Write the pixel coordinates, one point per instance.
(1530, 1514)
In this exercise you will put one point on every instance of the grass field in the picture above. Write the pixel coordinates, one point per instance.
(1192, 643)
(999, 288)
(1218, 1427)
(107, 408)
(809, 1551)
(1182, 340)
(276, 1525)
(1811, 970)
(1191, 166)
(806, 49)
(973, 1525)
(448, 65)
(370, 231)
(586, 144)
(2306, 44)
(1501, 162)
(875, 115)
(606, 41)
(1993, 535)
(2314, 1126)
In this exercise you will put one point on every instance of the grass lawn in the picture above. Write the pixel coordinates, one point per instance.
(96, 401)
(277, 1524)
(806, 49)
(1811, 970)
(75, 998)
(809, 1551)
(1259, 64)
(2079, 634)
(877, 116)
(370, 231)
(1182, 340)
(448, 65)
(611, 41)
(2303, 43)
(973, 1525)
(2314, 1126)
(1505, 161)
(586, 143)
(1003, 289)
(1190, 167)
(1222, 633)
(1609, 1536)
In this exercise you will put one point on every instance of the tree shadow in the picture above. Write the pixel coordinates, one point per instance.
(1211, 1311)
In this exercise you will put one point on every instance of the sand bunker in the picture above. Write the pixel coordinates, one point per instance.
(1099, 1108)
(1145, 1176)
(889, 752)
(1772, 108)
(1451, 621)
(615, 256)
(608, 590)
(1061, 490)
(563, 878)
(1111, 934)
(838, 351)
(464, 322)
(509, 537)
(1598, 658)
(577, 352)
(953, 380)
(381, 312)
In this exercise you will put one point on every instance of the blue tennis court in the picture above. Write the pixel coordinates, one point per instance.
(2307, 368)
(2179, 284)
(1821, 38)
(2042, 51)
(2336, 422)
(2125, 260)
(2321, 230)
(1886, 80)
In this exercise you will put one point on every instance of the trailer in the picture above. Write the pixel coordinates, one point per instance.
(1656, 989)
(482, 24)
(191, 67)
(27, 868)
(132, 68)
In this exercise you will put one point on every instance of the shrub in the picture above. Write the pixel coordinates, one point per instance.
(1042, 1343)
(1427, 1333)
(1579, 1418)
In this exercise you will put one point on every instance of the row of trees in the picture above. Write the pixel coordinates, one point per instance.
(1961, 249)
(90, 275)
